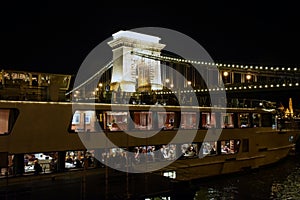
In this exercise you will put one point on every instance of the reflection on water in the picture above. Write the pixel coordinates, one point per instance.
(277, 182)
(288, 188)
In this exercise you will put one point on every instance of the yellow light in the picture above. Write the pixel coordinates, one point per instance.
(225, 73)
(248, 76)
(189, 82)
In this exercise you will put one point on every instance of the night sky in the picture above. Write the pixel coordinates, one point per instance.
(55, 38)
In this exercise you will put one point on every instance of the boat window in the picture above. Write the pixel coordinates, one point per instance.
(208, 120)
(230, 146)
(209, 148)
(84, 121)
(189, 120)
(143, 120)
(244, 120)
(116, 121)
(154, 153)
(7, 119)
(227, 120)
(47, 161)
(256, 119)
(166, 120)
(189, 150)
(115, 157)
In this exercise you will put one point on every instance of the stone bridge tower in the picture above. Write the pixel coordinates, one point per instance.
(133, 73)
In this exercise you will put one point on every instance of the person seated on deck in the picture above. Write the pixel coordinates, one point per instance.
(225, 149)
(190, 152)
(37, 167)
(213, 150)
(168, 127)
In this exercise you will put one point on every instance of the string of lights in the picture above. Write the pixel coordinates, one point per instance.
(218, 65)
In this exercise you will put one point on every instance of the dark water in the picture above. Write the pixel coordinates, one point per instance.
(278, 181)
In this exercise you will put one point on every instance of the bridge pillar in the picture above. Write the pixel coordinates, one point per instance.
(131, 72)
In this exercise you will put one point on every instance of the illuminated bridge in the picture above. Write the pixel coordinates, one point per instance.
(140, 68)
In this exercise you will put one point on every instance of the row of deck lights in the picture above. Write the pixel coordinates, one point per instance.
(221, 64)
(219, 88)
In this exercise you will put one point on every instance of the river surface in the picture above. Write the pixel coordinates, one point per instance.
(278, 181)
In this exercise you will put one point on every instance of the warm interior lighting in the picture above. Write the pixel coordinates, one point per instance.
(225, 73)
(248, 76)
(189, 82)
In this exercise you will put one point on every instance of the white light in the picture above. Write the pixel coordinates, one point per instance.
(225, 73)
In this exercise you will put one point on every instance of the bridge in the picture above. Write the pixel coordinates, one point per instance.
(141, 66)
